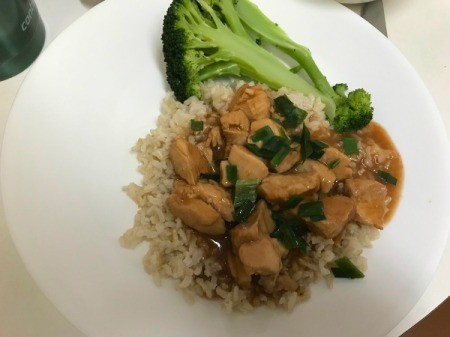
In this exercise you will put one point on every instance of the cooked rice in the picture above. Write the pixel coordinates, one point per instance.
(173, 249)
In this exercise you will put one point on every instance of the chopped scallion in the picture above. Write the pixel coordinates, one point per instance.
(332, 164)
(259, 152)
(212, 176)
(243, 212)
(296, 139)
(263, 134)
(245, 190)
(346, 269)
(293, 116)
(312, 210)
(318, 149)
(387, 177)
(350, 145)
(232, 173)
(305, 142)
(196, 125)
(290, 232)
(274, 144)
(292, 202)
(280, 155)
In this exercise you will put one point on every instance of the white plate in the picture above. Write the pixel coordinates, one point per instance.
(99, 87)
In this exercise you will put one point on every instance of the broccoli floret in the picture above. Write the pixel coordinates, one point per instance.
(354, 111)
(204, 39)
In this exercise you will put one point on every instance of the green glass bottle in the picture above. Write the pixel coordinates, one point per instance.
(22, 36)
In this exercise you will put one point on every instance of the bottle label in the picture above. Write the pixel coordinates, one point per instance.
(26, 23)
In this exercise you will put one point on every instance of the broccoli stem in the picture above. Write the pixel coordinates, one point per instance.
(252, 60)
(269, 32)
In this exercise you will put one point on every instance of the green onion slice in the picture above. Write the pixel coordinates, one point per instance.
(243, 212)
(387, 177)
(332, 164)
(290, 232)
(196, 125)
(280, 155)
(293, 116)
(312, 210)
(346, 269)
(350, 145)
(259, 152)
(305, 142)
(264, 134)
(292, 202)
(245, 190)
(232, 173)
(212, 176)
(318, 149)
(274, 144)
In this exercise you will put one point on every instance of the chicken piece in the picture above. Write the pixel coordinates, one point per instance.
(216, 196)
(278, 188)
(261, 256)
(214, 137)
(248, 165)
(258, 224)
(238, 271)
(196, 214)
(253, 101)
(210, 192)
(235, 126)
(327, 177)
(338, 210)
(342, 170)
(206, 151)
(187, 160)
(370, 198)
(288, 162)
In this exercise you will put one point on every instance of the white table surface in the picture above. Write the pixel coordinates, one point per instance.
(420, 29)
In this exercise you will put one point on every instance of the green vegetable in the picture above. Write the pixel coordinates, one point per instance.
(290, 232)
(293, 116)
(350, 145)
(312, 210)
(212, 176)
(204, 39)
(232, 173)
(280, 155)
(318, 149)
(245, 195)
(274, 148)
(332, 164)
(305, 144)
(292, 202)
(245, 190)
(263, 134)
(387, 177)
(346, 269)
(196, 125)
(275, 143)
(346, 113)
(313, 149)
(243, 212)
(258, 151)
(354, 111)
